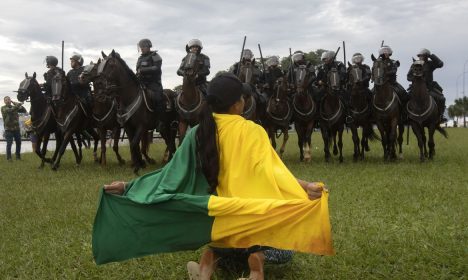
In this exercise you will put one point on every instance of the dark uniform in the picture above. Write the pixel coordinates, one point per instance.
(435, 90)
(272, 73)
(82, 91)
(322, 75)
(203, 71)
(149, 73)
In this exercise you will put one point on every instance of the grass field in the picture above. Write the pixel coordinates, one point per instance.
(401, 220)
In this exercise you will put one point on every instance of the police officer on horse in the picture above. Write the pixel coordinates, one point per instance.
(149, 73)
(195, 46)
(81, 91)
(431, 63)
(51, 63)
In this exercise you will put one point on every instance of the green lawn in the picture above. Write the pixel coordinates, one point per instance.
(401, 220)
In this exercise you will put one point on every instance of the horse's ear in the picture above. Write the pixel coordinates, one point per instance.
(103, 55)
(413, 59)
(26, 75)
(349, 64)
(112, 53)
(34, 75)
(373, 57)
(99, 60)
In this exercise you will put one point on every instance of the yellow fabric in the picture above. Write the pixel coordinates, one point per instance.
(259, 201)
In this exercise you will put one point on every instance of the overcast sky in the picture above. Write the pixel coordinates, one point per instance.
(31, 30)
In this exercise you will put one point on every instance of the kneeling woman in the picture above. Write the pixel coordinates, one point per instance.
(225, 187)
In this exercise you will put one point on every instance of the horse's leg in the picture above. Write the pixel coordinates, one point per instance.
(383, 137)
(355, 137)
(326, 142)
(183, 125)
(66, 138)
(423, 131)
(102, 137)
(115, 145)
(333, 135)
(285, 140)
(58, 144)
(78, 157)
(300, 140)
(308, 128)
(134, 143)
(417, 132)
(340, 141)
(431, 143)
(393, 138)
(79, 140)
(145, 142)
(38, 149)
(401, 132)
(96, 139)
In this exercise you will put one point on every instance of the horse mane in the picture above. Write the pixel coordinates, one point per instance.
(127, 69)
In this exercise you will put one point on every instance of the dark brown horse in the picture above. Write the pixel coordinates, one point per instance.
(423, 112)
(70, 115)
(135, 110)
(42, 118)
(278, 113)
(360, 109)
(305, 111)
(332, 116)
(387, 109)
(104, 110)
(252, 109)
(189, 101)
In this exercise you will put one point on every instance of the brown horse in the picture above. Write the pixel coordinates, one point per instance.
(423, 112)
(278, 113)
(70, 115)
(360, 109)
(42, 118)
(305, 111)
(332, 116)
(104, 110)
(189, 101)
(387, 109)
(252, 109)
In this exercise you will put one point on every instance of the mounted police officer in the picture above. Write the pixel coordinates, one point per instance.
(391, 69)
(299, 61)
(272, 73)
(431, 62)
(330, 64)
(195, 46)
(51, 63)
(82, 91)
(357, 61)
(149, 73)
(257, 77)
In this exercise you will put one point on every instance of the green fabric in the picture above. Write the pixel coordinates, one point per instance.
(162, 211)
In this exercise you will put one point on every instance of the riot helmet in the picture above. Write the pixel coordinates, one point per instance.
(358, 58)
(51, 60)
(195, 43)
(298, 57)
(145, 43)
(327, 56)
(385, 50)
(424, 53)
(78, 58)
(272, 61)
(247, 55)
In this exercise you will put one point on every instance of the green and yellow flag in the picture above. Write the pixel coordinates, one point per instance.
(258, 202)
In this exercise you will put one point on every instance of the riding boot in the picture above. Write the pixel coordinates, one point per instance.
(441, 106)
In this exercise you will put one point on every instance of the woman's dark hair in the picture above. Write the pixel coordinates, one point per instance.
(223, 91)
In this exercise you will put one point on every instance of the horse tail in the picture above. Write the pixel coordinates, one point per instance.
(442, 131)
(371, 135)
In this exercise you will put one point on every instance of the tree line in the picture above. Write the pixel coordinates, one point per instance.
(458, 110)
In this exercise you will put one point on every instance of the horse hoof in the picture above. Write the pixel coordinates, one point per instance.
(121, 162)
(341, 160)
(54, 168)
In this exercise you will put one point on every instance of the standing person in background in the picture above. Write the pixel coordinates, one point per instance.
(11, 124)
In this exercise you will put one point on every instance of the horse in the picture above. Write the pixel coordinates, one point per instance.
(423, 112)
(304, 111)
(332, 116)
(278, 113)
(361, 112)
(71, 116)
(252, 109)
(104, 110)
(190, 100)
(386, 111)
(42, 117)
(135, 110)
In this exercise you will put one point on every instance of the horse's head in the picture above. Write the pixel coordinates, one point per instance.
(302, 79)
(355, 76)
(417, 69)
(115, 71)
(246, 71)
(280, 89)
(90, 72)
(191, 67)
(333, 79)
(59, 85)
(378, 71)
(27, 87)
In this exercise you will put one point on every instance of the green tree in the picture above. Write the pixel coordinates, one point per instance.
(312, 56)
